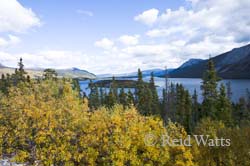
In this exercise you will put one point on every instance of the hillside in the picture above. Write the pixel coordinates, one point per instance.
(234, 64)
(67, 73)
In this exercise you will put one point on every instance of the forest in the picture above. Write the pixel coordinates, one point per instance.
(48, 121)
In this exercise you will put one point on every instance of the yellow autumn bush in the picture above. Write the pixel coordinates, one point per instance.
(47, 123)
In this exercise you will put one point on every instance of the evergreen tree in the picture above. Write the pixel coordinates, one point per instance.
(123, 97)
(155, 98)
(139, 86)
(21, 71)
(76, 86)
(224, 107)
(114, 89)
(209, 91)
(19, 75)
(241, 113)
(28, 79)
(3, 84)
(94, 101)
(140, 92)
(147, 105)
(49, 74)
(163, 103)
(195, 108)
(180, 103)
(188, 120)
(144, 96)
(102, 96)
(110, 99)
(130, 98)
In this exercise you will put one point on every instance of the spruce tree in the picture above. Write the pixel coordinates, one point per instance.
(140, 92)
(3, 84)
(163, 103)
(110, 99)
(19, 75)
(76, 86)
(195, 108)
(21, 70)
(241, 113)
(143, 96)
(188, 122)
(180, 104)
(114, 89)
(123, 97)
(130, 98)
(49, 74)
(94, 101)
(102, 96)
(139, 86)
(224, 107)
(155, 98)
(209, 91)
(147, 105)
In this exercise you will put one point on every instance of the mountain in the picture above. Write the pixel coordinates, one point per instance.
(234, 64)
(75, 73)
(145, 73)
(190, 62)
(37, 73)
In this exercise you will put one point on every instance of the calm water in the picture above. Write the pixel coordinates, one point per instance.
(238, 86)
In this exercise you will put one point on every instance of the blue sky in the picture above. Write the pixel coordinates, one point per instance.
(115, 36)
(67, 24)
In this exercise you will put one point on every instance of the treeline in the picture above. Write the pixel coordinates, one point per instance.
(177, 104)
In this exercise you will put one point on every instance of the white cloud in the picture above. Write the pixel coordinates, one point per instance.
(16, 18)
(205, 27)
(85, 12)
(46, 59)
(209, 17)
(12, 40)
(129, 40)
(104, 43)
(147, 17)
(174, 36)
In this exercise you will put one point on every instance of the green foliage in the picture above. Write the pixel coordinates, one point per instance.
(14, 79)
(49, 74)
(155, 99)
(209, 91)
(130, 98)
(94, 101)
(224, 107)
(123, 97)
(235, 154)
(146, 96)
(76, 86)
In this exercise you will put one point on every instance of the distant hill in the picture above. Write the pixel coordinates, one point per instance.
(145, 73)
(68, 73)
(234, 64)
(191, 62)
(75, 73)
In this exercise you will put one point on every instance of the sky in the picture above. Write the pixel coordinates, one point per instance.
(119, 36)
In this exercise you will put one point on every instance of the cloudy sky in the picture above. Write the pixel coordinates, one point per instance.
(114, 36)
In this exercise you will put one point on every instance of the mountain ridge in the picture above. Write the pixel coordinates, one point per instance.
(74, 73)
(234, 64)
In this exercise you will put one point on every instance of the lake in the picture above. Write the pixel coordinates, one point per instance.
(238, 86)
